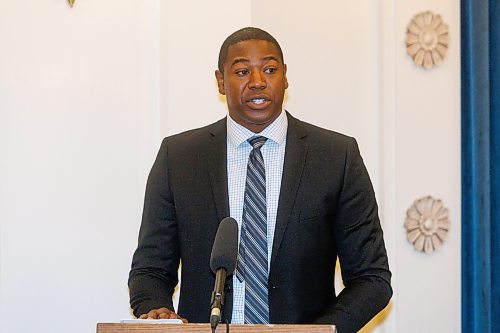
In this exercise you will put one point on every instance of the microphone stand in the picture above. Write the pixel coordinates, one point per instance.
(217, 298)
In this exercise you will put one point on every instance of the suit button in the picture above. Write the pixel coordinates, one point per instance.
(274, 287)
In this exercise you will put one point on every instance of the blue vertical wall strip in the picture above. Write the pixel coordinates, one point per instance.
(480, 166)
(494, 28)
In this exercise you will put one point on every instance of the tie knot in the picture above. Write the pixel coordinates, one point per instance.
(257, 141)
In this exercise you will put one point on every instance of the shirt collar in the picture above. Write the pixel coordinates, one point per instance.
(276, 131)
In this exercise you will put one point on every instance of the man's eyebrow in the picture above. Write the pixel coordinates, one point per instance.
(245, 60)
(268, 58)
(238, 60)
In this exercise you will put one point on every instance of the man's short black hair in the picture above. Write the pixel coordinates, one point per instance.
(242, 35)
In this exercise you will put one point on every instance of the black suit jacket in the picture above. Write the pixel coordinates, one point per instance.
(326, 209)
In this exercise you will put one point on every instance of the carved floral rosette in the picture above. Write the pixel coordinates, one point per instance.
(427, 224)
(427, 39)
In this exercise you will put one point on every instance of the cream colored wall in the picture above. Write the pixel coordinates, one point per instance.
(78, 131)
(87, 93)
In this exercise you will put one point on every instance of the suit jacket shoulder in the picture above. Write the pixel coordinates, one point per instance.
(318, 136)
(192, 138)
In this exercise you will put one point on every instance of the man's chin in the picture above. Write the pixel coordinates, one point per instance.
(255, 120)
(257, 125)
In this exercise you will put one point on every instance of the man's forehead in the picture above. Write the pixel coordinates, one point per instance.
(251, 48)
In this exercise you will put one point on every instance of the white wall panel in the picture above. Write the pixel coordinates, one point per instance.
(78, 103)
(427, 162)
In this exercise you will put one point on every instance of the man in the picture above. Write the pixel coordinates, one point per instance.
(301, 196)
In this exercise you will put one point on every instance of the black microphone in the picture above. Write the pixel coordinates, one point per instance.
(223, 263)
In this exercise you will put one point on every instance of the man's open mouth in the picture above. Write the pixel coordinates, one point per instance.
(258, 100)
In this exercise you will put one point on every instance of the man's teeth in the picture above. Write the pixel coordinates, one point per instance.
(258, 100)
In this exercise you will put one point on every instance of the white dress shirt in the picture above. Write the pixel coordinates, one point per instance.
(238, 151)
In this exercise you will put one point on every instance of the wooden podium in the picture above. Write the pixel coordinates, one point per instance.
(205, 328)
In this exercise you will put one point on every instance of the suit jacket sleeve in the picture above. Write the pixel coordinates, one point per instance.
(361, 250)
(153, 276)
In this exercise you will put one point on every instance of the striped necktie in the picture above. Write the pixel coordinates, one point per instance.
(252, 258)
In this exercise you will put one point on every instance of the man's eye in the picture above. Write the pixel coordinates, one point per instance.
(270, 70)
(242, 72)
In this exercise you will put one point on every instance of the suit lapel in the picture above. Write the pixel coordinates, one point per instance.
(295, 157)
(217, 170)
(217, 167)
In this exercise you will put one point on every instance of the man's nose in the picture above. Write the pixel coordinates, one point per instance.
(257, 81)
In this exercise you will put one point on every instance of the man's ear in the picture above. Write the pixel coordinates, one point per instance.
(286, 80)
(220, 82)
